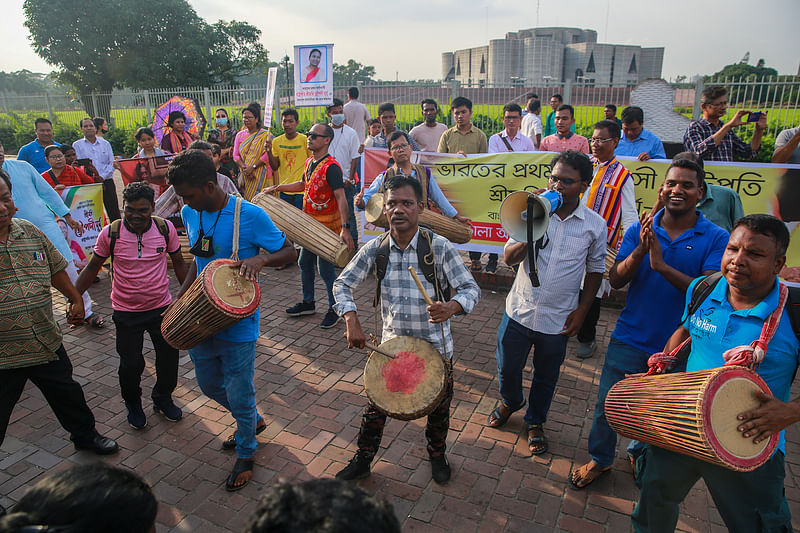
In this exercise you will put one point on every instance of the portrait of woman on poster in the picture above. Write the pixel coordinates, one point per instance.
(314, 71)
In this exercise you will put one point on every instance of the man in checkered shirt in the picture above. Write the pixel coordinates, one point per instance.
(714, 140)
(405, 313)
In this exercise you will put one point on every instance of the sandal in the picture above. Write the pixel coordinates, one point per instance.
(496, 419)
(239, 467)
(540, 441)
(587, 474)
(95, 321)
(230, 442)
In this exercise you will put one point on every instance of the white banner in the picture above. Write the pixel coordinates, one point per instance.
(313, 75)
(269, 99)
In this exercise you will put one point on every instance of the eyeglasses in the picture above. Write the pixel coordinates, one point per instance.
(512, 117)
(566, 182)
(599, 141)
(313, 136)
(55, 156)
(396, 147)
(718, 104)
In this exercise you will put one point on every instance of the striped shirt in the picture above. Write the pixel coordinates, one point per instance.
(699, 138)
(618, 209)
(402, 306)
(29, 334)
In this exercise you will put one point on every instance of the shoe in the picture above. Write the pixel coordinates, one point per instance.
(303, 308)
(168, 408)
(357, 468)
(491, 267)
(98, 444)
(136, 416)
(585, 349)
(440, 469)
(330, 320)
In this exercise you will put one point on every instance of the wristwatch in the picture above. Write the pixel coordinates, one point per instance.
(346, 225)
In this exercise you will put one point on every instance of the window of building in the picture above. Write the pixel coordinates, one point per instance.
(632, 68)
(590, 66)
(458, 67)
(483, 65)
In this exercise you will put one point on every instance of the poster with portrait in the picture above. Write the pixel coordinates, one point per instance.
(313, 74)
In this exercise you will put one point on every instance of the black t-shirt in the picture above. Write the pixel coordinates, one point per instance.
(333, 175)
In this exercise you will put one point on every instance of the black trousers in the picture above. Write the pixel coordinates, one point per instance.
(63, 393)
(110, 201)
(587, 331)
(476, 256)
(131, 327)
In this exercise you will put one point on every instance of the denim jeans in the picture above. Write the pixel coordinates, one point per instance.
(621, 359)
(224, 372)
(349, 193)
(514, 343)
(294, 199)
(308, 260)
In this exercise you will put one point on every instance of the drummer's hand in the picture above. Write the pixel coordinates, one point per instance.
(250, 267)
(345, 237)
(770, 417)
(441, 311)
(353, 332)
(269, 190)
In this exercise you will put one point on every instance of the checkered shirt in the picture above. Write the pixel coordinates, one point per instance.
(699, 138)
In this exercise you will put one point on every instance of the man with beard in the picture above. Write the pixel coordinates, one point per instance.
(430, 131)
(659, 257)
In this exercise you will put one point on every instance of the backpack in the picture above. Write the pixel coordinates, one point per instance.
(424, 257)
(113, 235)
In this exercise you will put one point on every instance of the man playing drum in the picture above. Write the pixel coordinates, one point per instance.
(138, 248)
(733, 315)
(659, 257)
(224, 364)
(400, 148)
(544, 317)
(404, 313)
(324, 199)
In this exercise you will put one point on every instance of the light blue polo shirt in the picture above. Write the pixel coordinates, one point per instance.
(645, 142)
(256, 230)
(654, 307)
(33, 153)
(715, 327)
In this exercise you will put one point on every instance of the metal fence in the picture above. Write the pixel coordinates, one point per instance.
(129, 108)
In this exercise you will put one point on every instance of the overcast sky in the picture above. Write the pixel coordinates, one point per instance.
(406, 38)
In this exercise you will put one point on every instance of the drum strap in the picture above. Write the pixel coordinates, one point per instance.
(237, 211)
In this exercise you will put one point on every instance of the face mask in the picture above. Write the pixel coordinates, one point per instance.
(337, 120)
(222, 122)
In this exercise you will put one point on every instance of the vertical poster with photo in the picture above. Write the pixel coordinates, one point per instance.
(269, 98)
(85, 204)
(313, 75)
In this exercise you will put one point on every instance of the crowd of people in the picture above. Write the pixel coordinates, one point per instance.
(695, 230)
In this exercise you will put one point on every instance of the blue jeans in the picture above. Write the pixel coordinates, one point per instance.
(514, 343)
(621, 359)
(224, 372)
(308, 260)
(349, 193)
(294, 199)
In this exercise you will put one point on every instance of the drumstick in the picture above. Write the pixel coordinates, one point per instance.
(376, 349)
(419, 285)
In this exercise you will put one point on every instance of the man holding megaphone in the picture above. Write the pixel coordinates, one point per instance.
(543, 308)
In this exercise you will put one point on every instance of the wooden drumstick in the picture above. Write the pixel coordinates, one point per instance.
(419, 285)
(376, 349)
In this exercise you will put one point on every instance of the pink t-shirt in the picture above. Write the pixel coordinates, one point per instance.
(556, 143)
(140, 280)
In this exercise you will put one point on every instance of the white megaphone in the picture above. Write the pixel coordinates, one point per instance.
(514, 214)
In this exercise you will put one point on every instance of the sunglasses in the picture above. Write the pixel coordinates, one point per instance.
(313, 136)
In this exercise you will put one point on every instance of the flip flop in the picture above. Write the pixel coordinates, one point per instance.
(537, 440)
(239, 467)
(498, 416)
(95, 321)
(587, 473)
(230, 443)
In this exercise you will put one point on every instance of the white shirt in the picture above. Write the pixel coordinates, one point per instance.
(356, 115)
(520, 143)
(531, 127)
(100, 153)
(576, 245)
(344, 148)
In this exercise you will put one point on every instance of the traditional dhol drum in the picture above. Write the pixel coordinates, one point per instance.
(216, 299)
(693, 413)
(411, 384)
(305, 230)
(449, 228)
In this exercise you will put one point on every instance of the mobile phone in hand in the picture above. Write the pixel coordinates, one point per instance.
(754, 117)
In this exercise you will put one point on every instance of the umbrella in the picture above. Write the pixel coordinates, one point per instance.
(195, 121)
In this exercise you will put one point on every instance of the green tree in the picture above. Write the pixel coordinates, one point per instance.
(753, 93)
(22, 81)
(351, 73)
(103, 44)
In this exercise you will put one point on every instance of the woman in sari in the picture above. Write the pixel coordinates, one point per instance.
(177, 140)
(313, 72)
(250, 154)
(223, 136)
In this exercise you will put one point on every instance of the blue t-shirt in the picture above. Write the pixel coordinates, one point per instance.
(33, 153)
(654, 306)
(715, 327)
(256, 230)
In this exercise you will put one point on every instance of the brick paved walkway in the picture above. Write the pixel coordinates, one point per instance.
(309, 389)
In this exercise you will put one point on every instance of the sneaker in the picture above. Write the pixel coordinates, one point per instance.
(357, 468)
(136, 416)
(303, 308)
(491, 266)
(440, 469)
(330, 320)
(168, 408)
(585, 349)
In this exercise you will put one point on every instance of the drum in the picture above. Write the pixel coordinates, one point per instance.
(216, 299)
(693, 413)
(449, 228)
(305, 230)
(410, 385)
